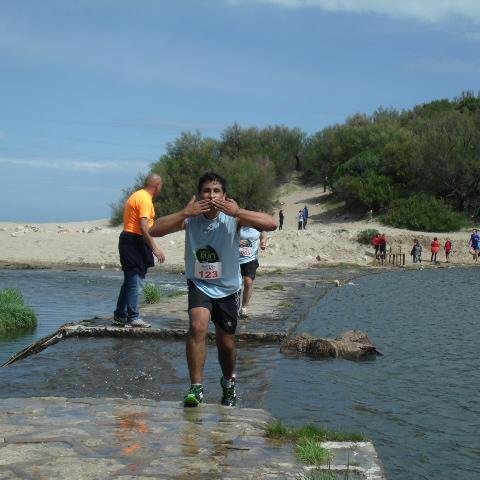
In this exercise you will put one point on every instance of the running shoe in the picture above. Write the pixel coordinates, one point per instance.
(243, 312)
(229, 397)
(194, 396)
(139, 323)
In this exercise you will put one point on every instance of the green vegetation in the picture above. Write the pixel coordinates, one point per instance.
(14, 314)
(307, 441)
(365, 236)
(273, 286)
(309, 451)
(279, 431)
(376, 162)
(152, 293)
(420, 212)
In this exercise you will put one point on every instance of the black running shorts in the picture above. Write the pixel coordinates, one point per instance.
(223, 311)
(249, 269)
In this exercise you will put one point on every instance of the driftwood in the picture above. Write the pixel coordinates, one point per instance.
(352, 345)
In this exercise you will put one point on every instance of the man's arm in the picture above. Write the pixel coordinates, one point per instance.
(158, 252)
(176, 221)
(246, 218)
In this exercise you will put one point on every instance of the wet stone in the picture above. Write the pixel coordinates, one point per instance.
(103, 438)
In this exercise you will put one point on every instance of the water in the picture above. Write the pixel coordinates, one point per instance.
(61, 296)
(418, 403)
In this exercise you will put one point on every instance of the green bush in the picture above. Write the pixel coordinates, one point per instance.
(365, 236)
(151, 293)
(424, 213)
(14, 314)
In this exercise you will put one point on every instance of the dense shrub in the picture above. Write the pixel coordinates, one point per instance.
(421, 212)
(14, 314)
(365, 236)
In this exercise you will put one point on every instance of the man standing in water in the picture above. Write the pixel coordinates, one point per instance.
(136, 248)
(212, 223)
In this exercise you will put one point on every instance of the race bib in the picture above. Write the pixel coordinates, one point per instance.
(208, 271)
(246, 251)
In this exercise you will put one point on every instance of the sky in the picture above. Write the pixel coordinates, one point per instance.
(91, 91)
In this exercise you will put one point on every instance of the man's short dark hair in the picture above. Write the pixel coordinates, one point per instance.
(212, 177)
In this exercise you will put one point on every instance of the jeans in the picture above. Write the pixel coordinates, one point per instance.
(127, 303)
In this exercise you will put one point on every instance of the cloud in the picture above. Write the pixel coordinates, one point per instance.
(430, 11)
(74, 165)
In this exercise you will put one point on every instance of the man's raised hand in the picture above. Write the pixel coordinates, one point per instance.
(196, 207)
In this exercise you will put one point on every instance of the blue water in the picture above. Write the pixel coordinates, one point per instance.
(419, 403)
(61, 296)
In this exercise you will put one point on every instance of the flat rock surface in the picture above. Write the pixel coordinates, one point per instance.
(86, 438)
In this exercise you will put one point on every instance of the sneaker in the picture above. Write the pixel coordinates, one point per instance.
(229, 397)
(139, 323)
(194, 396)
(119, 321)
(243, 312)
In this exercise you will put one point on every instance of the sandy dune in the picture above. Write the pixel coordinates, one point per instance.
(330, 238)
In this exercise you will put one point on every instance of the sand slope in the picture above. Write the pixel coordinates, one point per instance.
(330, 238)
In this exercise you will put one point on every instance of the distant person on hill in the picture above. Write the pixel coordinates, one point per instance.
(376, 244)
(416, 252)
(212, 222)
(137, 248)
(280, 220)
(434, 248)
(448, 248)
(300, 220)
(250, 239)
(474, 244)
(382, 247)
(305, 217)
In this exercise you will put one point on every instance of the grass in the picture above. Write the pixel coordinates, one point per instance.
(14, 314)
(152, 293)
(307, 441)
(274, 286)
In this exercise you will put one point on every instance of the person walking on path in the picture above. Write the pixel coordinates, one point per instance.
(416, 252)
(212, 222)
(382, 248)
(137, 248)
(448, 248)
(280, 220)
(305, 217)
(250, 240)
(474, 244)
(300, 220)
(434, 248)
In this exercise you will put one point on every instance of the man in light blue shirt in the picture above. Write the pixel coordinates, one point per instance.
(212, 221)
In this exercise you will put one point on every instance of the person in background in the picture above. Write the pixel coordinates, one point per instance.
(416, 252)
(212, 224)
(474, 243)
(300, 220)
(305, 217)
(382, 248)
(250, 240)
(376, 245)
(434, 248)
(448, 248)
(280, 220)
(136, 248)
